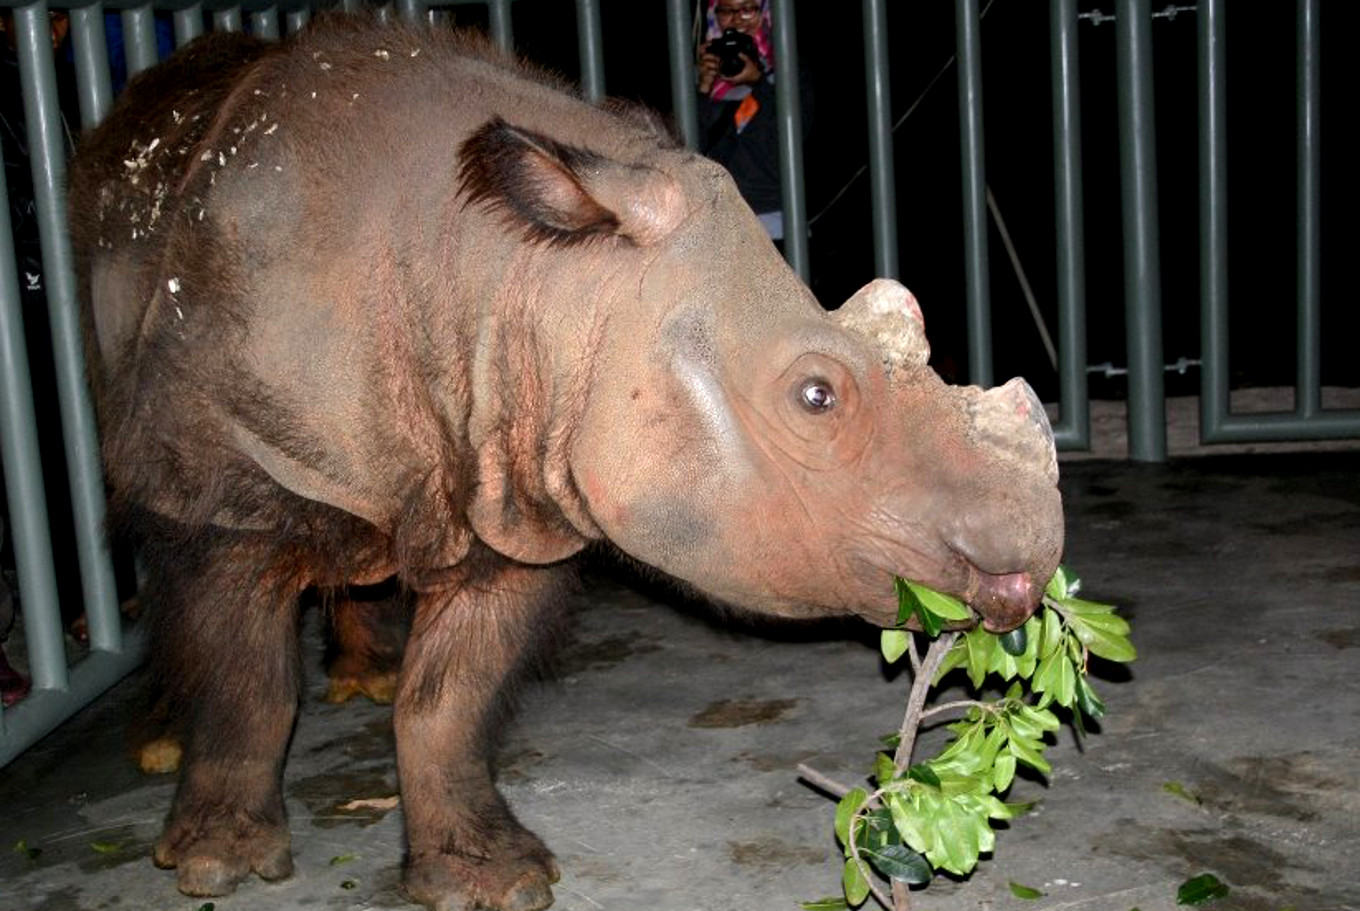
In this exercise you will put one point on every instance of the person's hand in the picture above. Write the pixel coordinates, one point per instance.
(708, 71)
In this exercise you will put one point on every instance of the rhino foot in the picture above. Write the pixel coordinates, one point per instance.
(517, 878)
(381, 688)
(213, 853)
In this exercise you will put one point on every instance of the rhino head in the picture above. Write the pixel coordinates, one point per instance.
(735, 435)
(791, 461)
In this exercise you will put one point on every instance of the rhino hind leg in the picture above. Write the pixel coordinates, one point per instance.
(466, 849)
(225, 647)
(368, 632)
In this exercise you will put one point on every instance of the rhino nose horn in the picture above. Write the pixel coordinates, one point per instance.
(1011, 419)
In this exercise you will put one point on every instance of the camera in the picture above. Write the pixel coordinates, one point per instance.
(729, 47)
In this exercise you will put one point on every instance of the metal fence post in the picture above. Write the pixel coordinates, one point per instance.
(591, 41)
(1308, 392)
(85, 473)
(679, 34)
(1142, 262)
(968, 39)
(188, 24)
(91, 50)
(789, 107)
(882, 180)
(139, 39)
(502, 28)
(1073, 429)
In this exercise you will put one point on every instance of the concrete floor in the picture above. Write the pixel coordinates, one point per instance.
(659, 762)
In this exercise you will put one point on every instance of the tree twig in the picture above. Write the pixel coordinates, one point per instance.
(949, 706)
(920, 687)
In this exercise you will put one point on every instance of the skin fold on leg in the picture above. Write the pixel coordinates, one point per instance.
(466, 849)
(226, 646)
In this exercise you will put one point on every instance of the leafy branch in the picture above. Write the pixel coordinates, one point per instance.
(938, 814)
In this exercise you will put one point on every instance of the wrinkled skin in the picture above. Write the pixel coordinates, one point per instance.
(495, 326)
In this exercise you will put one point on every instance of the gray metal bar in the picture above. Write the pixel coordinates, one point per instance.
(1073, 429)
(93, 84)
(411, 12)
(1308, 394)
(28, 526)
(882, 180)
(188, 24)
(43, 709)
(227, 19)
(788, 108)
(968, 38)
(1142, 263)
(354, 6)
(1213, 217)
(139, 39)
(502, 27)
(1332, 424)
(591, 41)
(296, 19)
(264, 23)
(85, 475)
(680, 33)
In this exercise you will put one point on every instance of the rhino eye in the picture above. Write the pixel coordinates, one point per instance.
(817, 396)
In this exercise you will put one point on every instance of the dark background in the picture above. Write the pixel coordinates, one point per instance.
(1018, 131)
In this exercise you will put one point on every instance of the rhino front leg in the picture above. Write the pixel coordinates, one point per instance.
(226, 650)
(466, 849)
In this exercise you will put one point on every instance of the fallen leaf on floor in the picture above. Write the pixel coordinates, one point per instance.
(372, 803)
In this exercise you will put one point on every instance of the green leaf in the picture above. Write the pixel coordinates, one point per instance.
(1088, 701)
(1063, 584)
(1042, 719)
(1016, 641)
(906, 601)
(893, 644)
(924, 774)
(1077, 607)
(941, 605)
(931, 624)
(980, 645)
(1101, 640)
(1024, 664)
(1178, 789)
(957, 839)
(826, 904)
(900, 863)
(851, 802)
(106, 847)
(1021, 891)
(1003, 772)
(1030, 752)
(885, 770)
(1051, 633)
(21, 847)
(1202, 889)
(207, 906)
(853, 882)
(350, 884)
(955, 657)
(339, 859)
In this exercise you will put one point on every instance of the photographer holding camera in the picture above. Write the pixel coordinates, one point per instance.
(737, 126)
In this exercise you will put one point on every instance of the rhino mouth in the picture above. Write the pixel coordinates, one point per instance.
(1003, 602)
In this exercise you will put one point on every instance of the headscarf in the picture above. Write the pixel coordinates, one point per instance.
(764, 38)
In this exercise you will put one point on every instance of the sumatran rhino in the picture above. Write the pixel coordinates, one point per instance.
(375, 302)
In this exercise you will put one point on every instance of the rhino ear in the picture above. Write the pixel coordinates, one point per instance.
(560, 194)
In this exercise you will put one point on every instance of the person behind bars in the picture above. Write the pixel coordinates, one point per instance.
(736, 83)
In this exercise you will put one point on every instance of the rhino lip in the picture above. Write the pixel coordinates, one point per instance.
(1004, 602)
